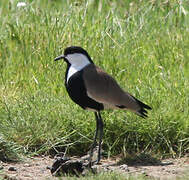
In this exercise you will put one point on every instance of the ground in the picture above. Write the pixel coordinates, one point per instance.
(36, 168)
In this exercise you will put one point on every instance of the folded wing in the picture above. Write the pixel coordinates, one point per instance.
(104, 89)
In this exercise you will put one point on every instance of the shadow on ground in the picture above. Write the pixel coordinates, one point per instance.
(142, 159)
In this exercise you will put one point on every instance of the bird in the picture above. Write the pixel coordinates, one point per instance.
(93, 89)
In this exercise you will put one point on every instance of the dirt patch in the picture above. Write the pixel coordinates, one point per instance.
(36, 168)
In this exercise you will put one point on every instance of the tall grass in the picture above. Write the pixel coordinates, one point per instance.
(143, 44)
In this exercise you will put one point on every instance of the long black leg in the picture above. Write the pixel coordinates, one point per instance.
(101, 127)
(97, 129)
(94, 141)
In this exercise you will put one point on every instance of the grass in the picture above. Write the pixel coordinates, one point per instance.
(117, 176)
(114, 176)
(143, 44)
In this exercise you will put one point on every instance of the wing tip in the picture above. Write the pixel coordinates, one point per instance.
(143, 112)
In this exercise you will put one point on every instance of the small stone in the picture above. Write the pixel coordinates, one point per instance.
(124, 167)
(43, 169)
(9, 177)
(49, 167)
(27, 175)
(27, 165)
(12, 168)
(166, 163)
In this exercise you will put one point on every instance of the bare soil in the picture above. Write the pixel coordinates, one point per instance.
(36, 168)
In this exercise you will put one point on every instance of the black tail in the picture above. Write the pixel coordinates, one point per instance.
(142, 112)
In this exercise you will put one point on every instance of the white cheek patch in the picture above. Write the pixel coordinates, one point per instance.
(78, 61)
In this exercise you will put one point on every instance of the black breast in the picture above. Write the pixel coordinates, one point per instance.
(77, 92)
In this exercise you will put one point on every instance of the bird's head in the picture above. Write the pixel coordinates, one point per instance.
(75, 55)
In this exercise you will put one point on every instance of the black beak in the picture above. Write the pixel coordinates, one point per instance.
(59, 57)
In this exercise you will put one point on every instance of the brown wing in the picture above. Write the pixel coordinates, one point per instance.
(103, 88)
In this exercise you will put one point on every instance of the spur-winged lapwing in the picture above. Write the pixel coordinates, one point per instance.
(92, 88)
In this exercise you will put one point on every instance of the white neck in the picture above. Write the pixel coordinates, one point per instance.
(78, 61)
